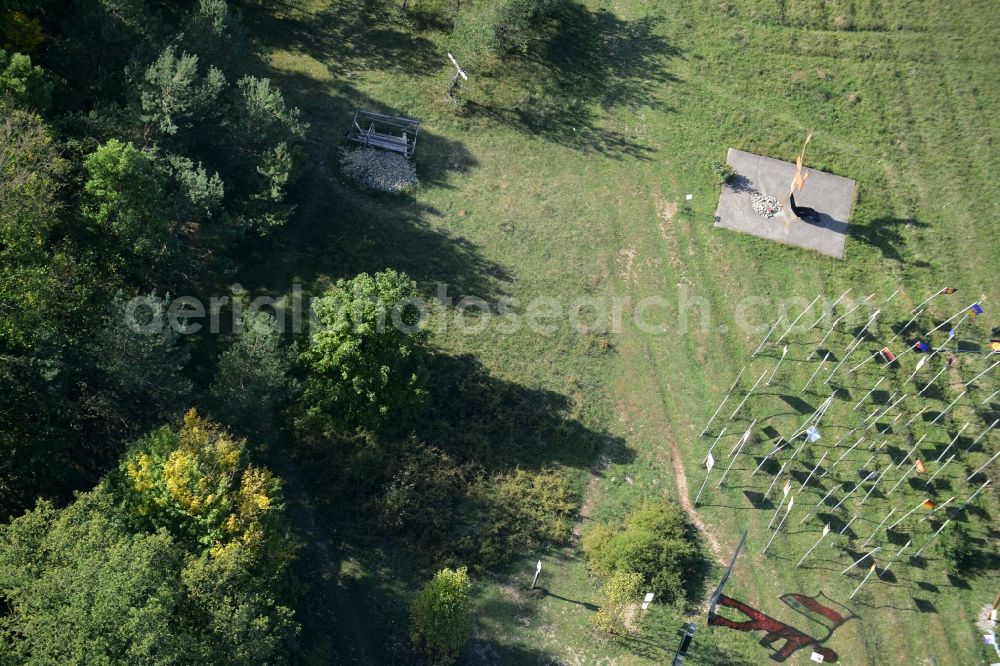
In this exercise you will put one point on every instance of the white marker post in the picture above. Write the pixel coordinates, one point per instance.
(723, 432)
(951, 318)
(921, 392)
(948, 408)
(938, 508)
(867, 576)
(901, 479)
(863, 482)
(459, 72)
(788, 510)
(895, 557)
(785, 490)
(538, 570)
(933, 536)
(933, 296)
(876, 530)
(978, 490)
(845, 453)
(709, 463)
(767, 456)
(796, 320)
(829, 311)
(784, 352)
(860, 560)
(914, 417)
(764, 341)
(823, 499)
(908, 514)
(875, 485)
(815, 372)
(984, 466)
(776, 477)
(920, 364)
(909, 454)
(870, 391)
(646, 600)
(848, 525)
(826, 530)
(809, 478)
(736, 453)
(981, 374)
(749, 393)
(939, 470)
(717, 410)
(982, 434)
(990, 396)
(951, 443)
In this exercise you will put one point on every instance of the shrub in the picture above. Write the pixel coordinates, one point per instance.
(488, 31)
(440, 620)
(957, 549)
(654, 541)
(620, 592)
(722, 171)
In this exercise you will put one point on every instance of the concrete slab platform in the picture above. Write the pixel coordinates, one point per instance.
(831, 197)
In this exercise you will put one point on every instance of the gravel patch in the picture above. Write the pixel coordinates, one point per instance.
(379, 170)
(764, 205)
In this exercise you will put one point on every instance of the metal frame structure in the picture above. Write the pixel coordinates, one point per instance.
(395, 133)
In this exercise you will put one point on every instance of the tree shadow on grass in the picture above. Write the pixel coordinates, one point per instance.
(592, 60)
(888, 234)
(478, 417)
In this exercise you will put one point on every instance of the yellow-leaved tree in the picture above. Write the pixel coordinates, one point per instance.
(196, 482)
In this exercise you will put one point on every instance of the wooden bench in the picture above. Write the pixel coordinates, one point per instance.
(395, 133)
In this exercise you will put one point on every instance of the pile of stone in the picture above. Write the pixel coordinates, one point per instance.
(764, 205)
(379, 170)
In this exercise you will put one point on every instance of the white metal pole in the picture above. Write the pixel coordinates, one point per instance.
(738, 378)
(930, 299)
(981, 374)
(875, 485)
(809, 478)
(845, 454)
(905, 474)
(910, 452)
(709, 463)
(750, 393)
(946, 409)
(984, 466)
(824, 498)
(921, 392)
(849, 523)
(723, 432)
(739, 447)
(815, 372)
(982, 434)
(908, 514)
(784, 352)
(784, 496)
(829, 311)
(990, 397)
(933, 536)
(862, 559)
(776, 477)
(826, 530)
(920, 364)
(895, 557)
(850, 350)
(865, 580)
(978, 490)
(951, 443)
(788, 510)
(938, 508)
(796, 320)
(851, 492)
(717, 410)
(949, 319)
(766, 457)
(872, 390)
(744, 436)
(764, 341)
(876, 530)
(914, 417)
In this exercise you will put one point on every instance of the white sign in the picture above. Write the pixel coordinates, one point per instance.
(709, 462)
(538, 567)
(817, 657)
(648, 599)
(826, 529)
(789, 509)
(787, 488)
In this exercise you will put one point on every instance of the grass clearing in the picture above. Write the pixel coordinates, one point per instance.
(573, 181)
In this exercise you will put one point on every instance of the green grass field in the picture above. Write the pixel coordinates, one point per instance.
(567, 178)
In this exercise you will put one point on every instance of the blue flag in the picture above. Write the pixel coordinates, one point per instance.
(976, 309)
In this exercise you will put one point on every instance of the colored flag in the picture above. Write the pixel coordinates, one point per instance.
(887, 355)
(949, 290)
(995, 345)
(921, 346)
(951, 334)
(976, 309)
(929, 504)
(813, 434)
(920, 466)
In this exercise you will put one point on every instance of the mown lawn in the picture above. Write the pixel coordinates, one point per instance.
(567, 177)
